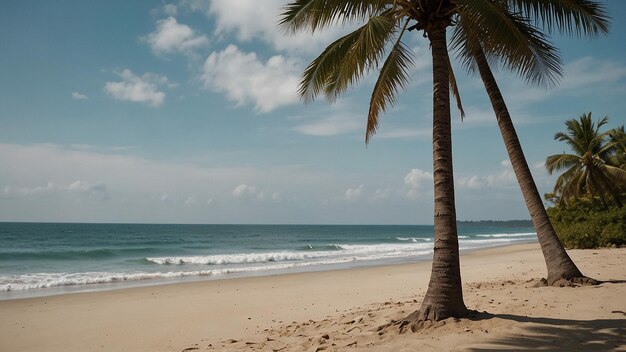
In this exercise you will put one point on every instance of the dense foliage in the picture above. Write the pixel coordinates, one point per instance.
(589, 223)
(590, 194)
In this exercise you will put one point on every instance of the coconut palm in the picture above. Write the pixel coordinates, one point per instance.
(586, 172)
(347, 59)
(503, 33)
(378, 42)
(578, 17)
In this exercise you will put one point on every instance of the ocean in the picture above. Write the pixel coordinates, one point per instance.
(38, 259)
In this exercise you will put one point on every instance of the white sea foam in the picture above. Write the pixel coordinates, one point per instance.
(242, 263)
(48, 280)
(499, 235)
(414, 239)
(240, 258)
(493, 241)
(345, 250)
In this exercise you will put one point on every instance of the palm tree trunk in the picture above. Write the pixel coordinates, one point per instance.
(560, 266)
(444, 297)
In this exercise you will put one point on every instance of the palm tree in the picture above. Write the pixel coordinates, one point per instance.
(586, 171)
(347, 59)
(538, 64)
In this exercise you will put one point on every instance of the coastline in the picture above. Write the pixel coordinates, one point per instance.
(105, 281)
(173, 317)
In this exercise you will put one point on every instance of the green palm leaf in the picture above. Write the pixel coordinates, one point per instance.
(364, 54)
(574, 17)
(347, 59)
(315, 14)
(507, 38)
(393, 75)
(560, 161)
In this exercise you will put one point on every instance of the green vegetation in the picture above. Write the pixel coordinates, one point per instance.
(588, 223)
(589, 195)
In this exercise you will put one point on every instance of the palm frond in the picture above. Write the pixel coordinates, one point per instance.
(455, 89)
(573, 17)
(560, 161)
(565, 178)
(572, 184)
(365, 53)
(509, 38)
(616, 175)
(393, 75)
(316, 14)
(575, 144)
(345, 60)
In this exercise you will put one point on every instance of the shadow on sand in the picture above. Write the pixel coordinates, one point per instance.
(546, 334)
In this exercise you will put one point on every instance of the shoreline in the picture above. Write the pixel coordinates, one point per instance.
(126, 284)
(173, 317)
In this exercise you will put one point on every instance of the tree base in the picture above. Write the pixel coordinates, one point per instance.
(563, 282)
(420, 319)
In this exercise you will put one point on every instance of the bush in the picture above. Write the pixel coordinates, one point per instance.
(589, 224)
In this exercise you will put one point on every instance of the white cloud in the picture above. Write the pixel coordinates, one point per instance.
(170, 9)
(166, 199)
(404, 133)
(97, 190)
(82, 187)
(416, 178)
(352, 194)
(79, 96)
(35, 185)
(580, 78)
(330, 126)
(503, 178)
(590, 71)
(191, 200)
(249, 22)
(381, 194)
(144, 89)
(244, 190)
(173, 37)
(27, 191)
(246, 18)
(247, 80)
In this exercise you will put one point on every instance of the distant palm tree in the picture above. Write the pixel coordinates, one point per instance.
(586, 171)
(540, 65)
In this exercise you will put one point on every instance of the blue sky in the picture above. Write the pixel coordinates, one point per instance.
(186, 112)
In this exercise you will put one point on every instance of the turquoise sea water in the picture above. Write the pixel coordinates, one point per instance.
(49, 258)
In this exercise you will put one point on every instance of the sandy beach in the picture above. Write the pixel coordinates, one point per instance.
(337, 310)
